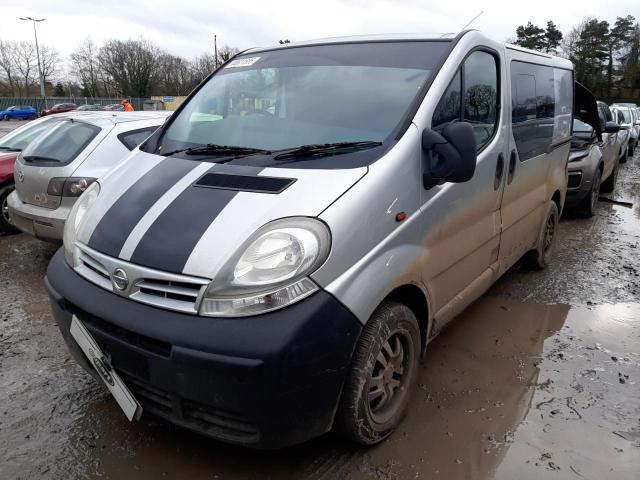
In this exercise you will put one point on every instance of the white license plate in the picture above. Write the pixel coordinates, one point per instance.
(129, 405)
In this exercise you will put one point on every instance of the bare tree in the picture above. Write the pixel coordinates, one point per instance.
(130, 65)
(202, 66)
(225, 53)
(7, 67)
(49, 62)
(86, 69)
(26, 65)
(174, 75)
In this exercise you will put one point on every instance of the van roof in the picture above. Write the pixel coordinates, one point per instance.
(406, 37)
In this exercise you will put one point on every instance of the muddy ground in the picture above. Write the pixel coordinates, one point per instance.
(540, 378)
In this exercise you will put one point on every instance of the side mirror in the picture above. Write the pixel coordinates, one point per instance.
(611, 127)
(450, 156)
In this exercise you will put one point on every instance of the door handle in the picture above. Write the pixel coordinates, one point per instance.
(499, 172)
(512, 167)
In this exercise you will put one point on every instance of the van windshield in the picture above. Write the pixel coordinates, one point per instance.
(289, 97)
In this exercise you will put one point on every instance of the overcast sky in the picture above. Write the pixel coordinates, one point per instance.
(186, 27)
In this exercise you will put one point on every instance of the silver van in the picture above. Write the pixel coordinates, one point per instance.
(275, 259)
(72, 151)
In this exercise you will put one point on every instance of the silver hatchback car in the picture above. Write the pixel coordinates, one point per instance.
(73, 151)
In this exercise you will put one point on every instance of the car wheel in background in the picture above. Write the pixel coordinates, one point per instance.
(382, 375)
(589, 203)
(540, 257)
(631, 150)
(5, 117)
(623, 158)
(6, 225)
(609, 184)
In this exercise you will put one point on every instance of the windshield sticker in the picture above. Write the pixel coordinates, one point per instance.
(243, 62)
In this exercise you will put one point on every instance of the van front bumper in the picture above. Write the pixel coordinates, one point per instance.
(266, 381)
(43, 223)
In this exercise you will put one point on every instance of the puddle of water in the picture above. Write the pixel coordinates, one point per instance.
(509, 390)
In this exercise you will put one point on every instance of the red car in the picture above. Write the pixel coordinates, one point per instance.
(7, 160)
(59, 108)
(10, 147)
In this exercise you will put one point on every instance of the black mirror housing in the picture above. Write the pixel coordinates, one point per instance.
(451, 154)
(611, 127)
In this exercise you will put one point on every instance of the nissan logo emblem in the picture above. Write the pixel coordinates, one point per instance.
(119, 279)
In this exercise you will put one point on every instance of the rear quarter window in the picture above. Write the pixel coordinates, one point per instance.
(541, 107)
(133, 138)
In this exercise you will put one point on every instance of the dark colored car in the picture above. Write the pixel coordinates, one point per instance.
(15, 113)
(90, 108)
(60, 108)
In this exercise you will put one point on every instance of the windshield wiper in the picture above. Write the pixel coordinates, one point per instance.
(40, 158)
(325, 149)
(11, 149)
(214, 149)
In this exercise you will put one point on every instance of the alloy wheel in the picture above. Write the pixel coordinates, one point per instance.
(388, 378)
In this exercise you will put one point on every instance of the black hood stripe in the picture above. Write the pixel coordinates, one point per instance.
(168, 243)
(115, 226)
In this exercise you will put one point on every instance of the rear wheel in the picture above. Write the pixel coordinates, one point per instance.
(5, 117)
(540, 257)
(609, 184)
(590, 201)
(6, 225)
(382, 375)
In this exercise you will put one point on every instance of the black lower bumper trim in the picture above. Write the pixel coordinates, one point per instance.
(267, 381)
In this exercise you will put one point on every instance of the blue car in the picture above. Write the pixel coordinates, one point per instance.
(24, 113)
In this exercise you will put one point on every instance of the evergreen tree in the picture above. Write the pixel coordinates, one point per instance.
(553, 37)
(58, 91)
(530, 36)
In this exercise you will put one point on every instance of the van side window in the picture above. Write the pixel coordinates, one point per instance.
(448, 108)
(472, 96)
(541, 104)
(480, 95)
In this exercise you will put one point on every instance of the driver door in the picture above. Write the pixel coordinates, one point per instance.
(461, 221)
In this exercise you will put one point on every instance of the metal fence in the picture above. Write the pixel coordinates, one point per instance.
(42, 104)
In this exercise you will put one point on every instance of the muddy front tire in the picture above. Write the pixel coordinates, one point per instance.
(540, 257)
(382, 375)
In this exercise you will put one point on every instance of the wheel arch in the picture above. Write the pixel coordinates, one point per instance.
(414, 297)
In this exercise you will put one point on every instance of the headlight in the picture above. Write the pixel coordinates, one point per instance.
(74, 219)
(270, 270)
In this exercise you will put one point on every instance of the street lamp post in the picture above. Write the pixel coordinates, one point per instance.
(35, 34)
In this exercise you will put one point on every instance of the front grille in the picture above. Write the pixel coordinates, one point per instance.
(126, 336)
(210, 421)
(153, 287)
(575, 178)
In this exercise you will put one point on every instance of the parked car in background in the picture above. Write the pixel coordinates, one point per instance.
(629, 122)
(589, 170)
(261, 278)
(91, 108)
(610, 142)
(75, 151)
(60, 108)
(19, 113)
(623, 135)
(114, 107)
(10, 147)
